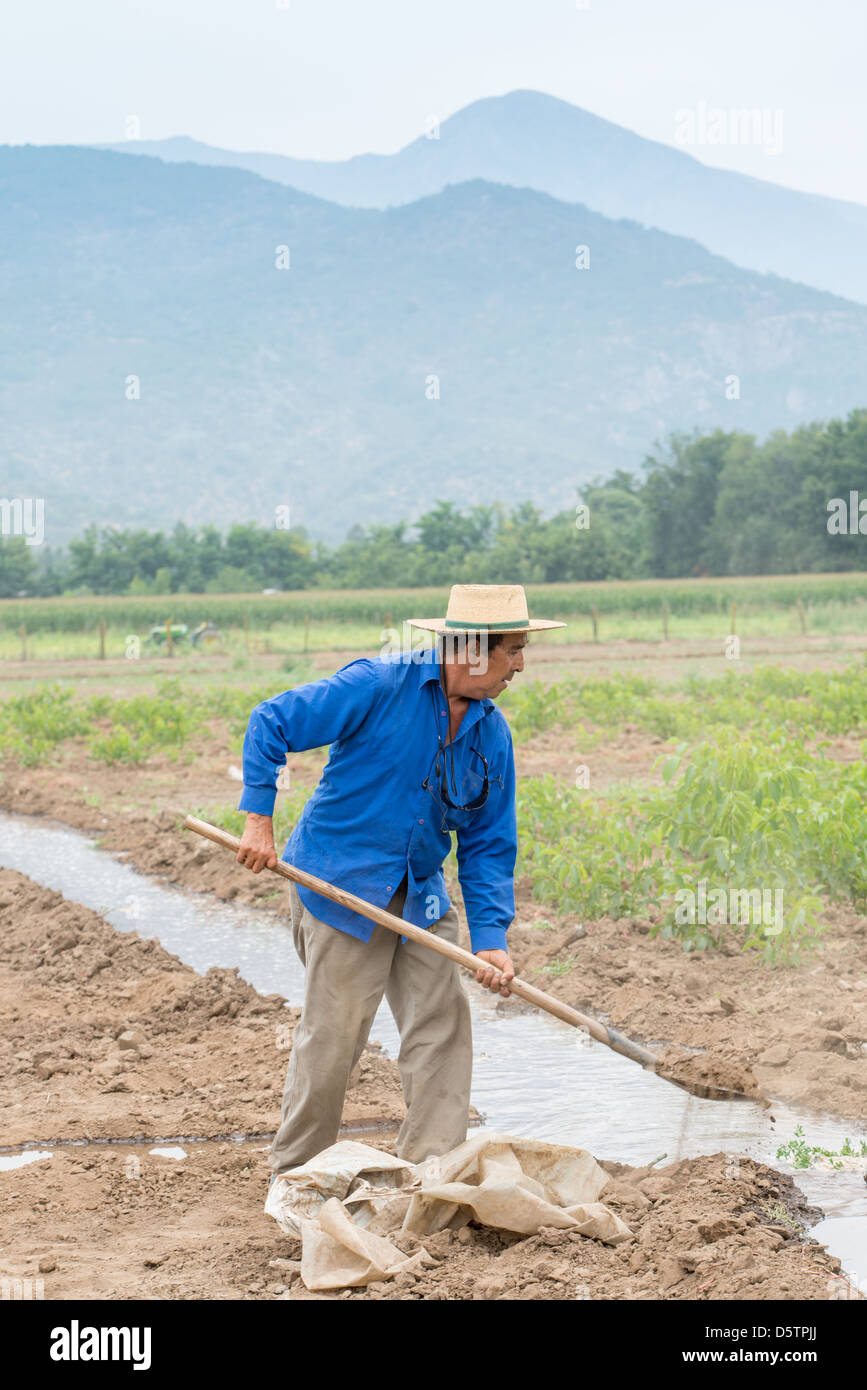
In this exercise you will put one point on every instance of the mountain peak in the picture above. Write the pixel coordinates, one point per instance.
(530, 139)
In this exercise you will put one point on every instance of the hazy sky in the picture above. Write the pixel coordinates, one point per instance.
(325, 79)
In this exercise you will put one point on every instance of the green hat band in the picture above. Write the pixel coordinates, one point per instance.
(513, 626)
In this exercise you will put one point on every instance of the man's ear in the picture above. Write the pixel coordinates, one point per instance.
(476, 650)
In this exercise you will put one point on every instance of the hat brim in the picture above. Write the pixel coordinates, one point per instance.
(438, 625)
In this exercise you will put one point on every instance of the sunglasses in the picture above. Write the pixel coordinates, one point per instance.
(440, 774)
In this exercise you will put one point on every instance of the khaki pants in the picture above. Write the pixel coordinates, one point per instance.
(346, 979)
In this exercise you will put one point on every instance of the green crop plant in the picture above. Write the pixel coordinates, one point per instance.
(32, 725)
(803, 1155)
(119, 746)
(755, 811)
(123, 730)
(534, 707)
(558, 967)
(807, 704)
(145, 724)
(169, 719)
(738, 816)
(587, 854)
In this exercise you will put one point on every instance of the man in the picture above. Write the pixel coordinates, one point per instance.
(418, 750)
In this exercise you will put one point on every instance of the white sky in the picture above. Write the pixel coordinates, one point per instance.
(325, 79)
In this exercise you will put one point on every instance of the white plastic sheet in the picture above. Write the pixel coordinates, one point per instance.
(347, 1200)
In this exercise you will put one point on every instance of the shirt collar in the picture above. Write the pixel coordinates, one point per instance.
(430, 671)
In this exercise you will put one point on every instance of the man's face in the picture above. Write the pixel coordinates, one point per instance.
(489, 672)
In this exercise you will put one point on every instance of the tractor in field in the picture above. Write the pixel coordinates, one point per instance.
(206, 637)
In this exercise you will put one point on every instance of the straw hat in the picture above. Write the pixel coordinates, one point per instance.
(485, 608)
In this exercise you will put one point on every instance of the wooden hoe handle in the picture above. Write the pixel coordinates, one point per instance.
(609, 1036)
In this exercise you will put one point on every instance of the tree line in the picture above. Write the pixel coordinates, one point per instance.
(702, 505)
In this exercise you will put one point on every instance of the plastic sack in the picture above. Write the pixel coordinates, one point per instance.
(347, 1200)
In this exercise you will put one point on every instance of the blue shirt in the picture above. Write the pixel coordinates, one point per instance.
(371, 820)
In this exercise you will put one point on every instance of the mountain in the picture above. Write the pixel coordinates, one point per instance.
(531, 140)
(314, 385)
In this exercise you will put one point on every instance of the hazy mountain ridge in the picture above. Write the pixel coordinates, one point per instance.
(308, 385)
(529, 139)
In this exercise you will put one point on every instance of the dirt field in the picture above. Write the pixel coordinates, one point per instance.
(110, 1036)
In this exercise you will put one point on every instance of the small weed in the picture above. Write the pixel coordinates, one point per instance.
(804, 1155)
(778, 1213)
(559, 967)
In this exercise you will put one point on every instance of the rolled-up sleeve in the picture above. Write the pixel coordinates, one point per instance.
(310, 716)
(486, 853)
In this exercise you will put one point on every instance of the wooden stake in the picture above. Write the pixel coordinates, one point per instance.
(170, 641)
(102, 639)
(594, 618)
(665, 621)
(23, 632)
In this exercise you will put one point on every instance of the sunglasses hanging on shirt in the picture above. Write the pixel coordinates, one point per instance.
(444, 757)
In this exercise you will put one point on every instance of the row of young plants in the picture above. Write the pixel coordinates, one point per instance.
(743, 843)
(119, 730)
(768, 697)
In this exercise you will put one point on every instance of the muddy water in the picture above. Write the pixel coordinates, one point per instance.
(532, 1074)
(18, 1160)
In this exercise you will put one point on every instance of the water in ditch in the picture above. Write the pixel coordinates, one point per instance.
(532, 1075)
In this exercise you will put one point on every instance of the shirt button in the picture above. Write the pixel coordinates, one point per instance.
(421, 822)
(388, 886)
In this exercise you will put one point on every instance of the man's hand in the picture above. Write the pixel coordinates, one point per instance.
(496, 972)
(257, 850)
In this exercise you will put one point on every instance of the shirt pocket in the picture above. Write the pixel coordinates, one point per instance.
(469, 788)
(458, 820)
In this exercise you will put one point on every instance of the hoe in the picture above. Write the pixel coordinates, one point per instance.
(600, 1031)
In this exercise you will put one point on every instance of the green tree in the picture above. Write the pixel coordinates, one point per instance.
(17, 567)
